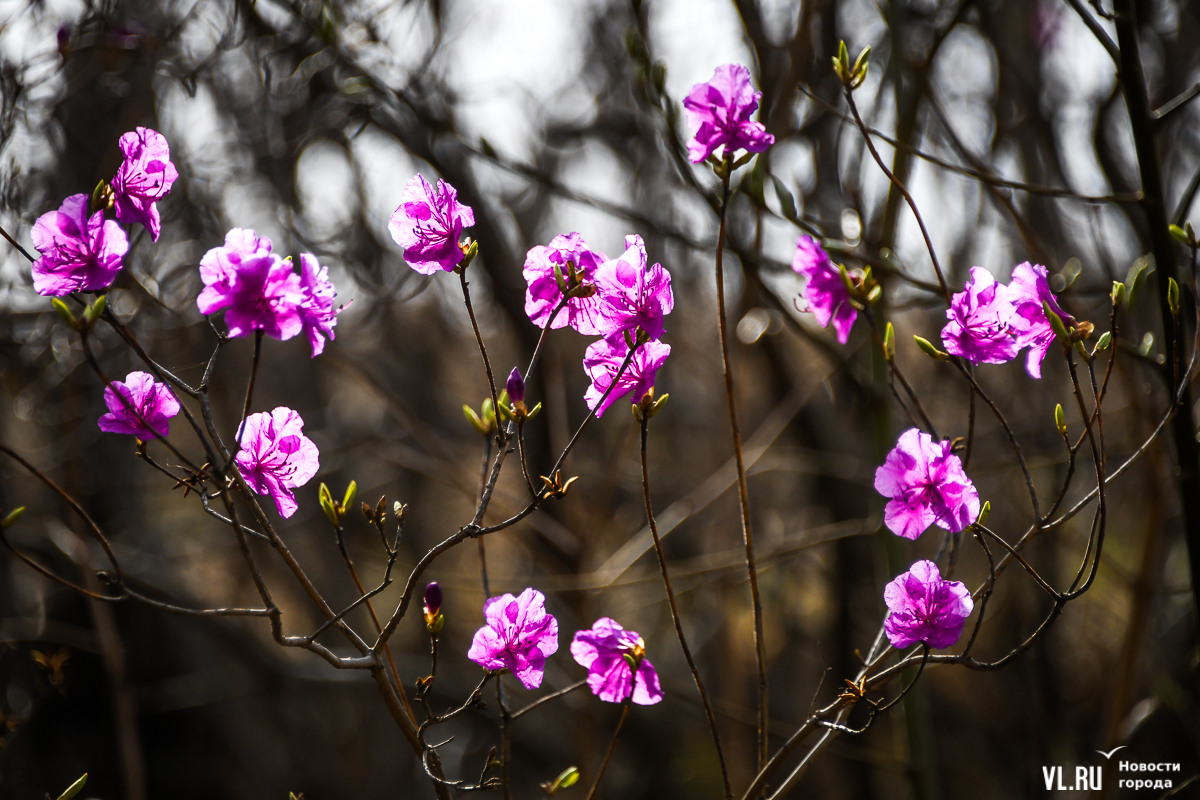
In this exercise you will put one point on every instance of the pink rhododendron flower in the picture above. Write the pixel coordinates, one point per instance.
(981, 316)
(257, 289)
(926, 484)
(145, 177)
(152, 400)
(428, 225)
(277, 457)
(1028, 289)
(602, 361)
(721, 109)
(317, 314)
(632, 296)
(824, 294)
(544, 294)
(519, 635)
(78, 253)
(602, 649)
(219, 268)
(925, 608)
(266, 297)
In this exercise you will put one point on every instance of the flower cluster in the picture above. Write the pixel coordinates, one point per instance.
(571, 285)
(80, 251)
(520, 635)
(634, 299)
(622, 300)
(990, 323)
(260, 291)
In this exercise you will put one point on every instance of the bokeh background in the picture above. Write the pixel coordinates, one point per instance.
(303, 120)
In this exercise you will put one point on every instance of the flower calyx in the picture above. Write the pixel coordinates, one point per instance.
(195, 479)
(569, 279)
(984, 512)
(855, 691)
(470, 249)
(555, 486)
(484, 420)
(648, 406)
(91, 312)
(103, 197)
(636, 339)
(635, 655)
(928, 348)
(861, 286)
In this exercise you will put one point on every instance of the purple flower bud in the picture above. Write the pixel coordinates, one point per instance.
(433, 599)
(64, 38)
(516, 386)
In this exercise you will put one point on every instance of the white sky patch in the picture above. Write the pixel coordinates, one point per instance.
(384, 166)
(325, 185)
(594, 170)
(694, 37)
(507, 60)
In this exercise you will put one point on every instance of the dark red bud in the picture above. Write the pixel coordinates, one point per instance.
(516, 386)
(433, 599)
